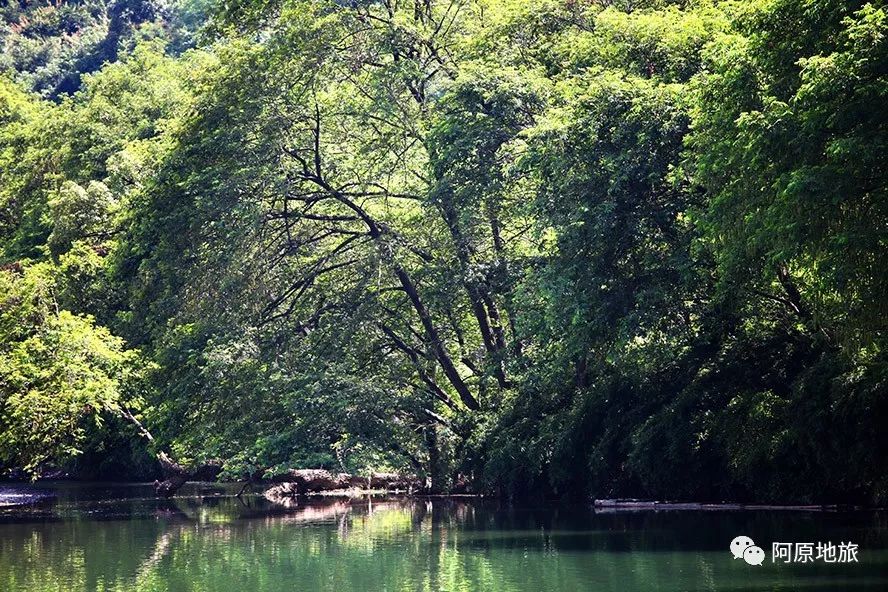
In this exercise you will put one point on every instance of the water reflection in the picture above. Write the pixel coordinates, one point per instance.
(209, 540)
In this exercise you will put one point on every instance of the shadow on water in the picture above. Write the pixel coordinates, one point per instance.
(113, 537)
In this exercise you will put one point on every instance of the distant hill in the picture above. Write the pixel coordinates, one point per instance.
(50, 44)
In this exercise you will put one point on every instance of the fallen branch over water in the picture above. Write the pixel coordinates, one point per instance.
(175, 475)
(307, 481)
(616, 505)
(18, 497)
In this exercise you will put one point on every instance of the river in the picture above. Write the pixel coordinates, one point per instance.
(110, 538)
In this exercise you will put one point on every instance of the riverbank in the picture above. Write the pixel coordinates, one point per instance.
(22, 496)
(286, 490)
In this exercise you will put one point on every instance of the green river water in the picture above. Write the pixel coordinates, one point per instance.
(118, 538)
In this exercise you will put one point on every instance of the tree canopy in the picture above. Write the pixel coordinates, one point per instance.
(553, 248)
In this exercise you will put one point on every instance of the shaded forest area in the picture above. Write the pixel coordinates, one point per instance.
(551, 248)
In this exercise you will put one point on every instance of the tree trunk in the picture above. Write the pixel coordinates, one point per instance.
(435, 471)
(487, 316)
(436, 343)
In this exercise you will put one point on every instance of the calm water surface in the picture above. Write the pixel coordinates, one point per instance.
(117, 538)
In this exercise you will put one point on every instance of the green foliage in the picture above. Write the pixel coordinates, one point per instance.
(58, 370)
(554, 247)
(20, 170)
(51, 45)
(791, 147)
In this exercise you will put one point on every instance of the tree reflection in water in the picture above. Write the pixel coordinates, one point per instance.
(213, 543)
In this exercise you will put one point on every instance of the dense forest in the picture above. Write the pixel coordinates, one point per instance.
(555, 248)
